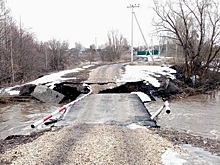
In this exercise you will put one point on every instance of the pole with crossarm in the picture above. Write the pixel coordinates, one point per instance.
(132, 13)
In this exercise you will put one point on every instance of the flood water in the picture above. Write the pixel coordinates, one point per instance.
(17, 118)
(199, 115)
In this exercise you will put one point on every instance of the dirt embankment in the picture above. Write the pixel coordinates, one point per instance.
(195, 85)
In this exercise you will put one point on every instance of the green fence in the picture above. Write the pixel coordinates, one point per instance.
(155, 52)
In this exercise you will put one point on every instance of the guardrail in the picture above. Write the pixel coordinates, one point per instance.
(63, 109)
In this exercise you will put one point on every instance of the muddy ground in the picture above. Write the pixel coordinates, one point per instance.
(14, 140)
(179, 138)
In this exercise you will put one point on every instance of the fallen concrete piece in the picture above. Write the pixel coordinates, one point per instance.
(47, 95)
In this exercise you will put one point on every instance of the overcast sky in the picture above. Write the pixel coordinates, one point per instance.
(84, 21)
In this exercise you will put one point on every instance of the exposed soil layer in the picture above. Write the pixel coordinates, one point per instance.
(80, 76)
(179, 138)
(14, 140)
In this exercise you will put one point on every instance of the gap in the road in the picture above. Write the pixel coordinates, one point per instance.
(139, 86)
(70, 90)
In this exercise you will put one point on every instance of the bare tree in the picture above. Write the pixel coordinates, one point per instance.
(56, 54)
(78, 47)
(195, 27)
(6, 58)
(92, 52)
(115, 47)
(22, 57)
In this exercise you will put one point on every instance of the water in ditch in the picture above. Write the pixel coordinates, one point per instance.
(199, 115)
(17, 118)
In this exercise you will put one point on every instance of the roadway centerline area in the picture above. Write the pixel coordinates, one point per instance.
(122, 109)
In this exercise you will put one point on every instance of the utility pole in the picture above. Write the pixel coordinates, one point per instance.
(132, 12)
(144, 37)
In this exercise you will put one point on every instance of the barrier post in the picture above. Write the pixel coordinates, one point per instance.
(65, 107)
(166, 106)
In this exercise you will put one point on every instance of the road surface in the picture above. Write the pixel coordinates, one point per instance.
(120, 109)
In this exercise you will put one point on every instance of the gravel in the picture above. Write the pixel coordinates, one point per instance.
(90, 144)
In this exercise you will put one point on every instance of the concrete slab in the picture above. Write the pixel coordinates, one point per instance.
(47, 95)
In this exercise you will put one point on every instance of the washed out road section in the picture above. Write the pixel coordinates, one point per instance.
(105, 77)
(122, 109)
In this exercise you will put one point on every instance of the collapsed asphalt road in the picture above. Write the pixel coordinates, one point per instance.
(109, 108)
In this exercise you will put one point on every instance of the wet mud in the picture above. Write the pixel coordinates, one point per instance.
(14, 140)
(180, 138)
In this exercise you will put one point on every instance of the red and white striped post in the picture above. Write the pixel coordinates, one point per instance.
(64, 108)
(166, 106)
(47, 117)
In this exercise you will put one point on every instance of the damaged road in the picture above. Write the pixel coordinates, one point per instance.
(100, 128)
(103, 81)
(110, 103)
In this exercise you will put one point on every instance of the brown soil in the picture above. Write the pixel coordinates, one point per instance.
(80, 76)
(14, 140)
(179, 138)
